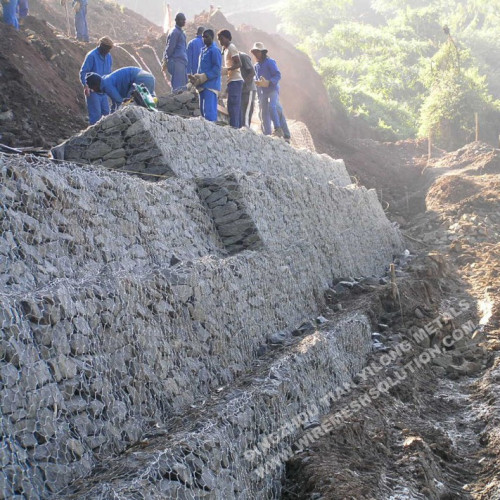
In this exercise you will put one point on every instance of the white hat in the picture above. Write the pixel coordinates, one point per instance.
(258, 46)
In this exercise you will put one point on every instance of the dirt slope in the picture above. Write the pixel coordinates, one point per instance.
(103, 17)
(435, 434)
(41, 98)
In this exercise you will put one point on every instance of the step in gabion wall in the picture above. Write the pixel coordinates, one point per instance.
(136, 140)
(122, 303)
(228, 446)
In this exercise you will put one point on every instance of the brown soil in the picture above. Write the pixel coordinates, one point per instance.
(435, 435)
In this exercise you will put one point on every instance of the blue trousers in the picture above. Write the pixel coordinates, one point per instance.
(234, 103)
(147, 79)
(82, 30)
(23, 8)
(178, 72)
(98, 106)
(10, 13)
(208, 105)
(268, 105)
(283, 123)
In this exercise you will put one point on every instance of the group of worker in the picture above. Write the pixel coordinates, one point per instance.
(202, 64)
(15, 12)
(100, 83)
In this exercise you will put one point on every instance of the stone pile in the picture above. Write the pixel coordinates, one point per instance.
(183, 104)
(125, 304)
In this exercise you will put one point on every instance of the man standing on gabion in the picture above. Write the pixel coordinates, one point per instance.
(249, 90)
(207, 79)
(194, 50)
(97, 61)
(231, 69)
(267, 80)
(175, 57)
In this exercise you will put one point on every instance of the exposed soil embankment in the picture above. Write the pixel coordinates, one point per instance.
(433, 434)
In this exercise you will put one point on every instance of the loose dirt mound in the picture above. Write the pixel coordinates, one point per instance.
(37, 89)
(474, 158)
(449, 190)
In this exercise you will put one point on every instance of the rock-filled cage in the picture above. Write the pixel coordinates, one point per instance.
(146, 273)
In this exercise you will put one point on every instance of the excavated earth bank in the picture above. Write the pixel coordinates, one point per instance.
(431, 431)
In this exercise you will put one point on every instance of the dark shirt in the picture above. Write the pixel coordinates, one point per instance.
(247, 72)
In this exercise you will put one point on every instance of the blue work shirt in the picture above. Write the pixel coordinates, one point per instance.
(193, 54)
(95, 62)
(119, 83)
(269, 70)
(210, 64)
(176, 45)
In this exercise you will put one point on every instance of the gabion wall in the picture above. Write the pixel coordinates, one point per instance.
(122, 308)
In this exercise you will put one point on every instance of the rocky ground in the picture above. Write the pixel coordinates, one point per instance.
(435, 433)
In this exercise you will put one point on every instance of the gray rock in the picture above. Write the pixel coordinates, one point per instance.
(221, 211)
(235, 228)
(96, 150)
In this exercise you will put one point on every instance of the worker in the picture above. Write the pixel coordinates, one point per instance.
(97, 61)
(82, 30)
(231, 69)
(175, 58)
(249, 90)
(119, 84)
(23, 11)
(207, 80)
(10, 13)
(194, 50)
(267, 77)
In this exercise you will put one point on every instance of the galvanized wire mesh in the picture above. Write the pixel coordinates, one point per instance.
(122, 314)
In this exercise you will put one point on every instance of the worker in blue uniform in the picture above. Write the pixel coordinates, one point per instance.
(23, 9)
(194, 50)
(208, 78)
(10, 13)
(175, 56)
(82, 30)
(267, 80)
(119, 84)
(98, 61)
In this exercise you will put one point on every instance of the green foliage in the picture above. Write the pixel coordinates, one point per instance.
(391, 62)
(457, 92)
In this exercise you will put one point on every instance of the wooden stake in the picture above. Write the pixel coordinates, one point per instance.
(393, 282)
(476, 117)
(429, 147)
